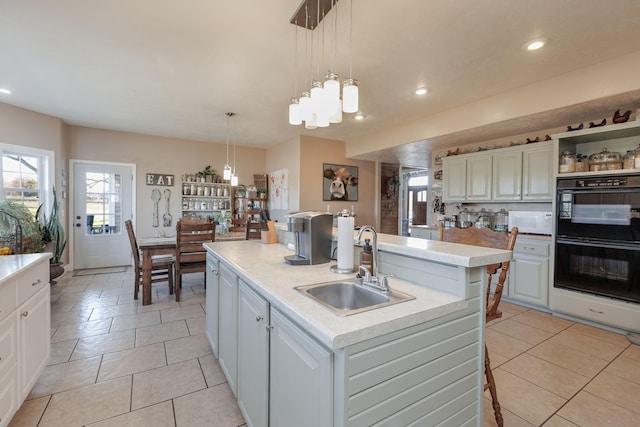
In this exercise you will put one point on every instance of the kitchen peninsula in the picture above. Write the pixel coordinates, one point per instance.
(289, 361)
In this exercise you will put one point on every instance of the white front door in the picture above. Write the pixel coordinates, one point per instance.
(102, 201)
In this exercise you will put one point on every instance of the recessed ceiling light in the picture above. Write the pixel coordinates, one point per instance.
(535, 44)
(421, 91)
(359, 116)
(5, 91)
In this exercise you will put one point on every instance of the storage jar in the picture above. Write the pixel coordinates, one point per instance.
(629, 160)
(567, 162)
(605, 160)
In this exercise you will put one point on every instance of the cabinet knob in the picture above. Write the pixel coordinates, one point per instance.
(259, 318)
(269, 328)
(36, 283)
(25, 313)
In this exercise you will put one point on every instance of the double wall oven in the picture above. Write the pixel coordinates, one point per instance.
(597, 246)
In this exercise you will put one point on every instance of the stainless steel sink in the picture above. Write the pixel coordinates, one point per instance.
(346, 297)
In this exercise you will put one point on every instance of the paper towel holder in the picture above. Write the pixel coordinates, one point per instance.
(335, 269)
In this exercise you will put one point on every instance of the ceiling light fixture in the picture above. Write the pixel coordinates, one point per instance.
(359, 117)
(5, 91)
(227, 169)
(321, 104)
(421, 91)
(535, 44)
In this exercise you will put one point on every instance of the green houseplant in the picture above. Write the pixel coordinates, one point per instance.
(31, 235)
(51, 231)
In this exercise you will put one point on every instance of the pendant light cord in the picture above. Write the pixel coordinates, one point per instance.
(350, 38)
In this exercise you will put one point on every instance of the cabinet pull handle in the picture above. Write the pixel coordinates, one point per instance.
(269, 328)
(259, 318)
(36, 283)
(596, 311)
(25, 313)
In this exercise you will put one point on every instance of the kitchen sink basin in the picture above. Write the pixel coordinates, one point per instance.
(346, 297)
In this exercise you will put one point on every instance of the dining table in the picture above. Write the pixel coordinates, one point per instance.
(166, 245)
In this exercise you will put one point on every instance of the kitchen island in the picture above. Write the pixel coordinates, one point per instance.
(292, 362)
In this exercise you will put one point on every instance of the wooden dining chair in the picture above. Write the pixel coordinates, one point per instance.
(238, 224)
(492, 239)
(253, 230)
(190, 254)
(162, 267)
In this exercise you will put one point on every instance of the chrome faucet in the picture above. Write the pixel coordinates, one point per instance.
(371, 277)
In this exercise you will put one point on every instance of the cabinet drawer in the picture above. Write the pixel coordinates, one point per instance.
(532, 248)
(32, 280)
(8, 298)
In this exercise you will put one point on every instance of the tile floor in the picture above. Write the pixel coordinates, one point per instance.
(117, 363)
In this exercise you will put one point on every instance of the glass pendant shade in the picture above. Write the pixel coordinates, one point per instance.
(226, 174)
(305, 106)
(336, 116)
(332, 87)
(311, 122)
(295, 115)
(322, 119)
(350, 96)
(234, 180)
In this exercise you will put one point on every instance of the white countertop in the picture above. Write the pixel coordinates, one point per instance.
(263, 266)
(10, 265)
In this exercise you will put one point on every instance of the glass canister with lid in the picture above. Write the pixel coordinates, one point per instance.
(582, 163)
(605, 160)
(629, 160)
(484, 219)
(567, 162)
(467, 218)
(501, 220)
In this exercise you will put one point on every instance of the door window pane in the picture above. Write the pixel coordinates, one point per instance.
(104, 195)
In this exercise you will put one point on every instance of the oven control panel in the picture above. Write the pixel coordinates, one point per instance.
(601, 182)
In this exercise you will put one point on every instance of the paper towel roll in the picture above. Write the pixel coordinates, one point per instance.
(345, 243)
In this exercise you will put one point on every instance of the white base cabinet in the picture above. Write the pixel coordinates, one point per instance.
(212, 278)
(228, 326)
(25, 325)
(529, 272)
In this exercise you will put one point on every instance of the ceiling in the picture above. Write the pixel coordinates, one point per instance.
(168, 68)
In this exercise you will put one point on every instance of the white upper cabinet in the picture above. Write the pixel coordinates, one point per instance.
(507, 176)
(537, 174)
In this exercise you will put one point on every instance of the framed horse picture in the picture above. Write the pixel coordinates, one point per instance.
(339, 182)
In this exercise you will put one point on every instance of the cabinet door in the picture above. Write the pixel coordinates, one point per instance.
(454, 175)
(8, 378)
(212, 297)
(34, 327)
(301, 377)
(529, 279)
(507, 176)
(253, 357)
(228, 326)
(479, 178)
(537, 174)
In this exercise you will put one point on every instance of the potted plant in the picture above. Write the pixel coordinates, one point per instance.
(222, 218)
(52, 232)
(13, 214)
(262, 193)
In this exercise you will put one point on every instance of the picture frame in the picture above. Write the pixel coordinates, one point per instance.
(339, 182)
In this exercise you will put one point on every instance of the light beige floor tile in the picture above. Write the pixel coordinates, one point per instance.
(632, 352)
(192, 299)
(30, 412)
(187, 348)
(587, 410)
(509, 310)
(118, 291)
(604, 335)
(588, 344)
(160, 415)
(80, 330)
(568, 358)
(522, 332)
(197, 325)
(499, 343)
(626, 368)
(59, 316)
(133, 321)
(558, 421)
(88, 404)
(198, 409)
(524, 399)
(93, 302)
(496, 359)
(73, 288)
(61, 351)
(550, 377)
(508, 418)
(160, 333)
(617, 390)
(181, 313)
(127, 362)
(213, 374)
(544, 321)
(157, 305)
(113, 311)
(65, 376)
(105, 343)
(158, 385)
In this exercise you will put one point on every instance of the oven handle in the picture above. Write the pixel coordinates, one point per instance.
(598, 243)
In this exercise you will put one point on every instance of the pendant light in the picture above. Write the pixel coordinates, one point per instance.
(227, 169)
(295, 114)
(234, 177)
(350, 87)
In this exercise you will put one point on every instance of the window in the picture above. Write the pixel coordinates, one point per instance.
(26, 175)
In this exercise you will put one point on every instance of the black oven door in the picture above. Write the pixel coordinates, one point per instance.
(598, 268)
